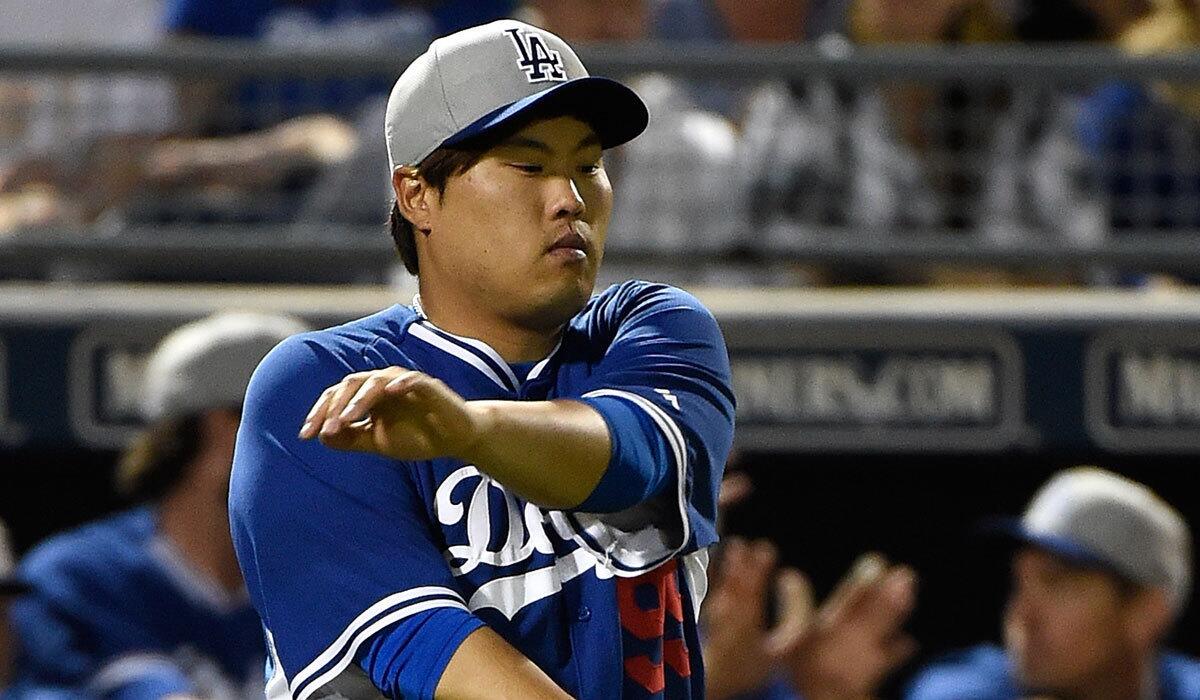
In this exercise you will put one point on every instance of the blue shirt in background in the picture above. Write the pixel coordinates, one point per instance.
(115, 612)
(983, 673)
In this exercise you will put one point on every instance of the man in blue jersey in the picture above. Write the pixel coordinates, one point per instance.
(150, 603)
(1102, 572)
(515, 481)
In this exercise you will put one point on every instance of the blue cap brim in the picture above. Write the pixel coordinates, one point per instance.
(1013, 530)
(616, 112)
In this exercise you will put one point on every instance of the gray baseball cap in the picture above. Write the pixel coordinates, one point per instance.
(207, 364)
(1093, 517)
(475, 81)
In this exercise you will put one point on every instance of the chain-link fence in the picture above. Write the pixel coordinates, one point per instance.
(794, 164)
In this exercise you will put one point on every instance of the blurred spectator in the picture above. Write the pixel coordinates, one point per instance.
(150, 602)
(313, 173)
(247, 157)
(1102, 572)
(1144, 139)
(95, 145)
(826, 158)
(56, 128)
(306, 25)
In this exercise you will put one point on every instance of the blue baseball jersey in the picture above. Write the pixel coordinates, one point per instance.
(116, 612)
(984, 673)
(337, 546)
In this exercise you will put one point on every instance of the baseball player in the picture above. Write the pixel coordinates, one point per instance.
(149, 603)
(1101, 571)
(506, 489)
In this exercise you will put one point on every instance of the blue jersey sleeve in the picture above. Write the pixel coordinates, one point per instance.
(336, 547)
(405, 662)
(666, 360)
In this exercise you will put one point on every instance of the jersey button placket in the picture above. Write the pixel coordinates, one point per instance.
(584, 614)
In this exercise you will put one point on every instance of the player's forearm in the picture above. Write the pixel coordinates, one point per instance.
(552, 453)
(486, 666)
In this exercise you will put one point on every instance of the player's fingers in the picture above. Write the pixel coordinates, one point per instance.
(316, 414)
(794, 601)
(431, 392)
(403, 382)
(360, 404)
(735, 488)
(366, 436)
(889, 602)
(735, 560)
(757, 568)
(337, 402)
(865, 572)
(436, 407)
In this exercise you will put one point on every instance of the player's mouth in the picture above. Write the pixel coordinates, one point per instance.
(570, 245)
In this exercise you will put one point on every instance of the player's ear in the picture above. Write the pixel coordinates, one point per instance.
(1149, 616)
(412, 197)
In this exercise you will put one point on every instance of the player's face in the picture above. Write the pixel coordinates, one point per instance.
(521, 233)
(1065, 627)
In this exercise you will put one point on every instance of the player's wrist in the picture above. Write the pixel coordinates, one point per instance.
(474, 444)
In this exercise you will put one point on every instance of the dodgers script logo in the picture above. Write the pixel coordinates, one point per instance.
(464, 495)
(539, 62)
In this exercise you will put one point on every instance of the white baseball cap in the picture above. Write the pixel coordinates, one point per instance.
(475, 81)
(1094, 517)
(207, 364)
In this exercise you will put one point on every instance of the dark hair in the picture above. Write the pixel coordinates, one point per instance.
(155, 462)
(436, 169)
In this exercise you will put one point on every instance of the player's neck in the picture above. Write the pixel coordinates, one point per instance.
(513, 342)
(196, 523)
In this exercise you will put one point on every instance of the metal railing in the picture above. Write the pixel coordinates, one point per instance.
(718, 61)
(1013, 88)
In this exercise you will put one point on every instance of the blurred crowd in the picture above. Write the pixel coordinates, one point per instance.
(150, 603)
(728, 168)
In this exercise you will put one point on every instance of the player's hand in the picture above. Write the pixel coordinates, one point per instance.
(856, 638)
(395, 412)
(741, 653)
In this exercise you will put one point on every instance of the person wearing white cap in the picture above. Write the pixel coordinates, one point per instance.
(508, 488)
(1102, 571)
(149, 602)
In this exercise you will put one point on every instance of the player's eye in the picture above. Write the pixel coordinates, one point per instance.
(529, 168)
(589, 168)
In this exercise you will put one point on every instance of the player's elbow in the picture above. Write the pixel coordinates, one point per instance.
(640, 465)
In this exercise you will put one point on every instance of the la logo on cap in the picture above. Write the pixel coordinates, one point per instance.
(541, 64)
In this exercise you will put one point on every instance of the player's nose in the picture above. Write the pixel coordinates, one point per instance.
(564, 200)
